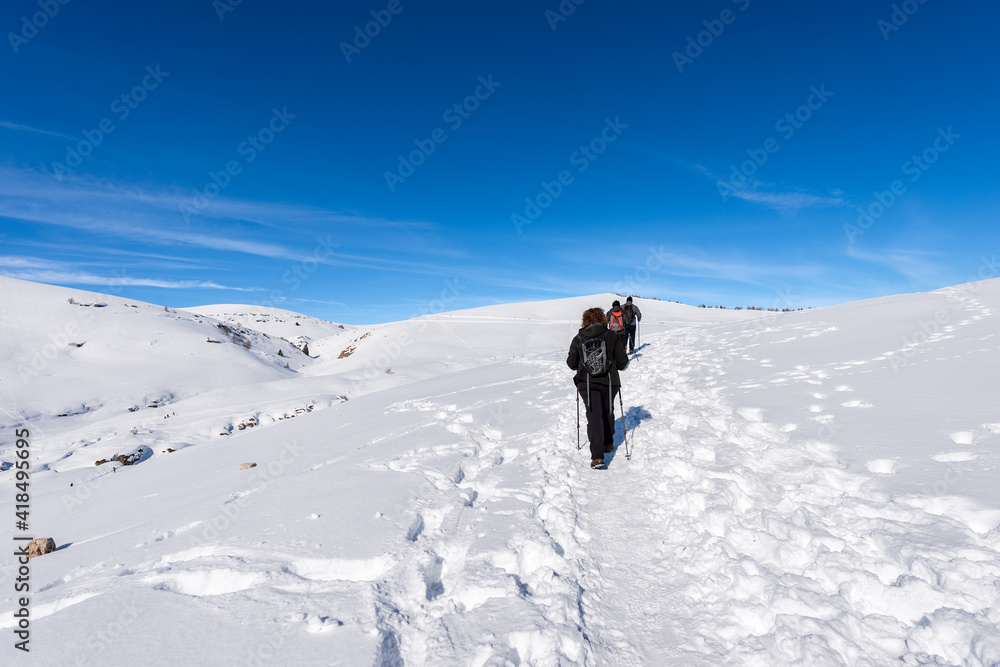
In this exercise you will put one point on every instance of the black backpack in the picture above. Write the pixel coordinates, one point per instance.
(594, 356)
(629, 314)
(594, 360)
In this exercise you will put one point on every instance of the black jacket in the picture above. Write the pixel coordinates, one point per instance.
(616, 353)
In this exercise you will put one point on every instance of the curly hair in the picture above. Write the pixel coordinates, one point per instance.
(594, 316)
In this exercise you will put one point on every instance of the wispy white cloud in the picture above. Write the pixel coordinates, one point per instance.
(40, 270)
(787, 200)
(83, 278)
(149, 215)
(27, 128)
(754, 190)
(325, 303)
(917, 265)
(9, 262)
(102, 255)
(760, 192)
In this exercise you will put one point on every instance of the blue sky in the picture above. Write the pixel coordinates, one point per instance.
(730, 152)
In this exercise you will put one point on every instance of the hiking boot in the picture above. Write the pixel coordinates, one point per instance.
(597, 464)
(609, 448)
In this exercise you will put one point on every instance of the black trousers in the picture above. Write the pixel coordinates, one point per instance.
(600, 415)
(630, 342)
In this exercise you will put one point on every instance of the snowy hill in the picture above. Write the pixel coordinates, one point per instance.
(299, 329)
(86, 370)
(813, 488)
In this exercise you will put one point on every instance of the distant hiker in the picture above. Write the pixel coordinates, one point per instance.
(597, 354)
(631, 317)
(616, 321)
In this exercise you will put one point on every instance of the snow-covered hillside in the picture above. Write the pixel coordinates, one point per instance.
(301, 330)
(813, 488)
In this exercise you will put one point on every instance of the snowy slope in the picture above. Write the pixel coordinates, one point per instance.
(87, 369)
(275, 322)
(807, 488)
(427, 346)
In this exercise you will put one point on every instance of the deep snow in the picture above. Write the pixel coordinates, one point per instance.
(813, 488)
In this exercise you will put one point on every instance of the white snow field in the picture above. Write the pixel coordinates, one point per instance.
(808, 488)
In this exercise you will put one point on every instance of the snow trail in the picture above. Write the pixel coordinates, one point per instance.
(750, 547)
(725, 540)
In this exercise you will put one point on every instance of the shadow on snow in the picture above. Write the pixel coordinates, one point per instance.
(632, 418)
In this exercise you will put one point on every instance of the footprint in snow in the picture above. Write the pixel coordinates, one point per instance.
(882, 466)
(751, 414)
(857, 404)
(955, 457)
(208, 582)
(963, 437)
(492, 433)
(320, 624)
(176, 531)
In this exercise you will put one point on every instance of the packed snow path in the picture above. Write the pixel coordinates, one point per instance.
(722, 541)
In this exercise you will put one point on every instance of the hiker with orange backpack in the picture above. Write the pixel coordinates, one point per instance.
(616, 322)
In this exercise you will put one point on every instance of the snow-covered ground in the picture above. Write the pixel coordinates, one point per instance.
(811, 488)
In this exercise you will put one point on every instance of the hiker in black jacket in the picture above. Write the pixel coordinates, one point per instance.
(616, 322)
(631, 316)
(599, 391)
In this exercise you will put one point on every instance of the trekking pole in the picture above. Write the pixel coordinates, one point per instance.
(578, 418)
(628, 454)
